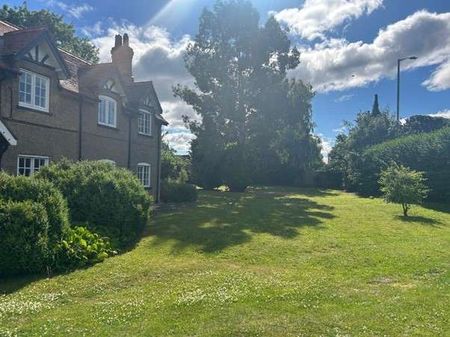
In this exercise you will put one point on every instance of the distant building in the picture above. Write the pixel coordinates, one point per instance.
(54, 105)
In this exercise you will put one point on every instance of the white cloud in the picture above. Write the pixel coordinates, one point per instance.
(344, 98)
(443, 114)
(327, 145)
(337, 64)
(76, 11)
(440, 79)
(315, 17)
(179, 139)
(159, 58)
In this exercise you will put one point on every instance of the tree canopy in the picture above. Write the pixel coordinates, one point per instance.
(64, 33)
(256, 125)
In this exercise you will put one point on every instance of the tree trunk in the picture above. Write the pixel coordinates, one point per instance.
(405, 209)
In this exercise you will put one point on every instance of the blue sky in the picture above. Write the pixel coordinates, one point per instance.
(349, 50)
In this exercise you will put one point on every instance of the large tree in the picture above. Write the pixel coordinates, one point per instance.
(64, 33)
(253, 121)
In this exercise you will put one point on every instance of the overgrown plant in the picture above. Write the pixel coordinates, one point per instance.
(403, 186)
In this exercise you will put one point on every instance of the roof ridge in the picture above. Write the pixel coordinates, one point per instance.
(7, 23)
(74, 56)
(26, 30)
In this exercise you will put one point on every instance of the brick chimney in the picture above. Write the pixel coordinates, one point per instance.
(122, 57)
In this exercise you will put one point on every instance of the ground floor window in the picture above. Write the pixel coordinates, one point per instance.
(27, 165)
(143, 173)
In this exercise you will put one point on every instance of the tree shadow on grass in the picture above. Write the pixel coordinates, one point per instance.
(222, 219)
(440, 207)
(420, 219)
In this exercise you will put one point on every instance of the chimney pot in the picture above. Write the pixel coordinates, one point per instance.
(125, 39)
(118, 41)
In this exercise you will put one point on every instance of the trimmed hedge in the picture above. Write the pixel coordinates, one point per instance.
(425, 152)
(24, 240)
(42, 192)
(111, 200)
(178, 192)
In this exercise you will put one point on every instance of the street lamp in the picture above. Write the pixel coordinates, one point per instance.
(398, 82)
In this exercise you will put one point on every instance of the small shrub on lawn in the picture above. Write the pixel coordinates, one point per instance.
(110, 199)
(80, 248)
(178, 192)
(42, 192)
(403, 186)
(24, 229)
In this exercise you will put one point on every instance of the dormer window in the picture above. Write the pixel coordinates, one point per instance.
(33, 90)
(145, 123)
(107, 111)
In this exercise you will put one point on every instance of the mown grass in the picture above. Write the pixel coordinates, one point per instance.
(269, 262)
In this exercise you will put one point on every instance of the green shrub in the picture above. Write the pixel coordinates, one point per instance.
(425, 152)
(178, 192)
(39, 191)
(24, 229)
(111, 200)
(403, 186)
(80, 248)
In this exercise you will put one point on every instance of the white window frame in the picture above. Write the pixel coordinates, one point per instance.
(147, 183)
(111, 100)
(32, 167)
(141, 122)
(33, 105)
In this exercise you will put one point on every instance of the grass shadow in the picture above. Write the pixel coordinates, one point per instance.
(419, 219)
(224, 219)
(440, 207)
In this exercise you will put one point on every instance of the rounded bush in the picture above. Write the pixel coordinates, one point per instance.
(178, 192)
(24, 227)
(42, 192)
(110, 199)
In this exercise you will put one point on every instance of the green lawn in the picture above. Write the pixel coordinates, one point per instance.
(270, 262)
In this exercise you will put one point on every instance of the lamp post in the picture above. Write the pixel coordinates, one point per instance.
(398, 82)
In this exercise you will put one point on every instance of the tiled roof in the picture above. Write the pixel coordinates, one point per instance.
(15, 41)
(74, 63)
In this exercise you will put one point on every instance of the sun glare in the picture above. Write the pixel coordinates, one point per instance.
(173, 12)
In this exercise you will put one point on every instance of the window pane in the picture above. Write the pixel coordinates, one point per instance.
(40, 93)
(25, 88)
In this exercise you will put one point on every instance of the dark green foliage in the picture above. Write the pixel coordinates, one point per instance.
(370, 128)
(173, 167)
(80, 248)
(42, 192)
(178, 192)
(401, 185)
(63, 32)
(419, 124)
(110, 199)
(24, 230)
(255, 125)
(425, 152)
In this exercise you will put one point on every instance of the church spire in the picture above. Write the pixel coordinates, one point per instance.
(376, 107)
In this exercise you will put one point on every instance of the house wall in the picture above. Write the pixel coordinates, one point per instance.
(56, 134)
(53, 134)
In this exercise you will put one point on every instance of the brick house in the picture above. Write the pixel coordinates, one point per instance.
(55, 105)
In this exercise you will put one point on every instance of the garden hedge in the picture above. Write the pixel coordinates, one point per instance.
(425, 152)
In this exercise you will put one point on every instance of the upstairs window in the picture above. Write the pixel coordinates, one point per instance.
(28, 165)
(33, 90)
(107, 111)
(143, 173)
(145, 123)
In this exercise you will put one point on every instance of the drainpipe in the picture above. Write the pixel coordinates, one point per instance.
(129, 141)
(158, 192)
(80, 130)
